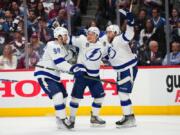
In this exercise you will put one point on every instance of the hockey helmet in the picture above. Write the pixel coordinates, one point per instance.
(113, 28)
(60, 31)
(94, 30)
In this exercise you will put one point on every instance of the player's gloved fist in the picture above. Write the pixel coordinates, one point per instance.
(78, 69)
(130, 18)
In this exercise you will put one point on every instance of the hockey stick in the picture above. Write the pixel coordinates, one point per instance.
(85, 76)
(130, 9)
(131, 6)
(7, 80)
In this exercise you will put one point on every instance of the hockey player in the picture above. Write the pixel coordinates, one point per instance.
(125, 64)
(55, 57)
(111, 31)
(91, 52)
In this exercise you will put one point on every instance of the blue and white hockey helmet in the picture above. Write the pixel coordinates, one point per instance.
(60, 31)
(113, 28)
(94, 30)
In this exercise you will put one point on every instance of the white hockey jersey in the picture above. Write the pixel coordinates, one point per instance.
(55, 56)
(90, 54)
(120, 54)
(104, 40)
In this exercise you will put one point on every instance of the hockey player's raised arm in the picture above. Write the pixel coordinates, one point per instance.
(77, 40)
(129, 33)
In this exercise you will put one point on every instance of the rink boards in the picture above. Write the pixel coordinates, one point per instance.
(156, 91)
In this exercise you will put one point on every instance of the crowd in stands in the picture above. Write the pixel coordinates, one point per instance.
(149, 42)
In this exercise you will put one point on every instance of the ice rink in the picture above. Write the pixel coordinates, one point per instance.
(146, 125)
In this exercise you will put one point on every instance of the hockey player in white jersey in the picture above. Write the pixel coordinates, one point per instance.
(111, 31)
(91, 52)
(48, 70)
(124, 62)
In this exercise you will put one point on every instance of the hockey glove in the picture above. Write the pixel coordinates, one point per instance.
(130, 18)
(78, 69)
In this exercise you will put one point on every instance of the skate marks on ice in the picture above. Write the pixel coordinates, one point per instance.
(146, 125)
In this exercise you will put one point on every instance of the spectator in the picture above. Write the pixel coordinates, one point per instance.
(141, 19)
(176, 32)
(32, 4)
(174, 55)
(32, 22)
(45, 33)
(8, 25)
(136, 34)
(3, 38)
(157, 20)
(36, 44)
(33, 59)
(20, 27)
(174, 18)
(134, 43)
(146, 33)
(54, 12)
(61, 18)
(159, 34)
(18, 44)
(72, 7)
(14, 8)
(149, 4)
(40, 11)
(152, 56)
(8, 60)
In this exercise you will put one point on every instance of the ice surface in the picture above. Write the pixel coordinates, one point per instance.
(146, 125)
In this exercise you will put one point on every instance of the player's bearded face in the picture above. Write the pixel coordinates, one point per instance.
(64, 39)
(91, 37)
(110, 35)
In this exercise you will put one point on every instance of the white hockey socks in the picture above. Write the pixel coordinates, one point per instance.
(59, 105)
(96, 106)
(125, 102)
(74, 104)
(65, 100)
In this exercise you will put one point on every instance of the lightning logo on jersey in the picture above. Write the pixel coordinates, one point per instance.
(93, 55)
(111, 53)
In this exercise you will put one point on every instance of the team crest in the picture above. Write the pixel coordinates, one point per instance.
(94, 54)
(111, 53)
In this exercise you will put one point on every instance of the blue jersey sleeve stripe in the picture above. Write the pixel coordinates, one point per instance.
(47, 74)
(125, 38)
(76, 65)
(80, 65)
(92, 71)
(59, 60)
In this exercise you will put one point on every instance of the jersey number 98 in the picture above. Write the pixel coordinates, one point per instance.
(56, 50)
